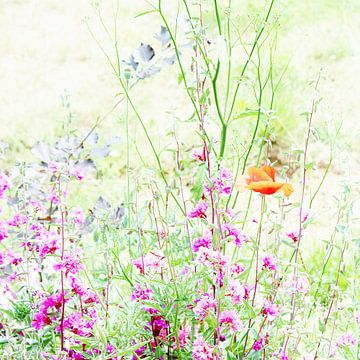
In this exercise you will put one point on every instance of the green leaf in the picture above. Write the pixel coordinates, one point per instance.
(250, 311)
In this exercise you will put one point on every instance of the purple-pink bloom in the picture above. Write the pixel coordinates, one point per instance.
(79, 216)
(199, 211)
(202, 350)
(184, 336)
(269, 262)
(70, 263)
(4, 184)
(17, 220)
(4, 233)
(346, 339)
(205, 241)
(259, 344)
(53, 167)
(232, 319)
(270, 310)
(78, 173)
(153, 260)
(212, 258)
(299, 285)
(198, 154)
(203, 305)
(237, 268)
(236, 291)
(141, 294)
(237, 235)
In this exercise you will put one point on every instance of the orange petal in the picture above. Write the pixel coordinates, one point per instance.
(265, 187)
(256, 174)
(287, 189)
(269, 170)
(270, 187)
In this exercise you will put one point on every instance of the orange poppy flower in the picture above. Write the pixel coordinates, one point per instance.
(262, 180)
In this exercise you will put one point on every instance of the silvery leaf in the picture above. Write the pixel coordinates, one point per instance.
(163, 36)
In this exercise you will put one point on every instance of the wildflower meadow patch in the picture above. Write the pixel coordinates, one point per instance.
(207, 244)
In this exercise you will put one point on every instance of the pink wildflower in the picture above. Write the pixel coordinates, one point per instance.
(269, 262)
(346, 339)
(153, 260)
(4, 184)
(77, 324)
(53, 197)
(205, 241)
(237, 268)
(198, 154)
(259, 344)
(232, 319)
(300, 285)
(270, 310)
(4, 234)
(70, 263)
(79, 216)
(49, 242)
(199, 211)
(17, 220)
(221, 184)
(212, 258)
(293, 235)
(237, 235)
(78, 173)
(184, 336)
(141, 294)
(357, 316)
(237, 291)
(202, 350)
(203, 305)
(53, 167)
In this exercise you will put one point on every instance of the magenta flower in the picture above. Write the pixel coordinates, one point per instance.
(77, 173)
(153, 260)
(236, 291)
(202, 350)
(346, 339)
(293, 235)
(205, 241)
(199, 211)
(357, 316)
(198, 154)
(4, 184)
(184, 337)
(237, 268)
(140, 293)
(212, 258)
(221, 184)
(238, 236)
(231, 318)
(269, 262)
(203, 305)
(70, 263)
(53, 167)
(77, 324)
(79, 216)
(270, 310)
(49, 242)
(259, 344)
(4, 233)
(17, 220)
(299, 285)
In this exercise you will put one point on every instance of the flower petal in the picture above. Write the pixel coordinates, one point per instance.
(269, 170)
(256, 175)
(287, 189)
(265, 187)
